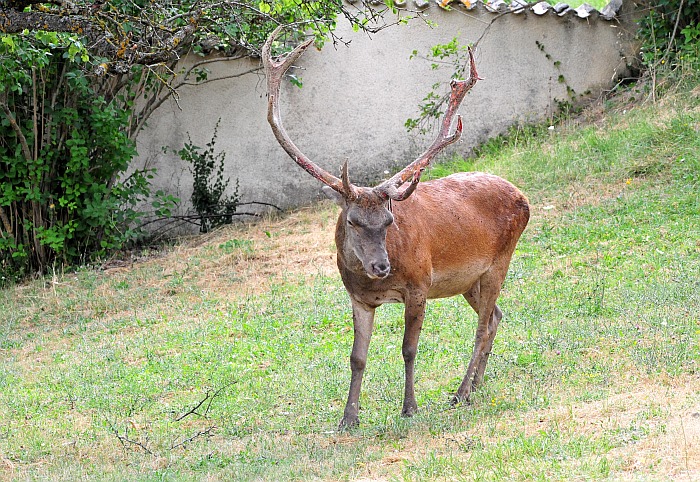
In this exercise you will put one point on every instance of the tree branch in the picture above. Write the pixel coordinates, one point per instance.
(118, 47)
(124, 439)
(183, 443)
(26, 152)
(209, 396)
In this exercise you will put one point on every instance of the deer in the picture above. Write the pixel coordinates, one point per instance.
(406, 241)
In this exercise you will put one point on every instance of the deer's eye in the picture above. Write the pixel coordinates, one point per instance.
(355, 223)
(389, 221)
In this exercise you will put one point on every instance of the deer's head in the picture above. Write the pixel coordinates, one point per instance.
(365, 212)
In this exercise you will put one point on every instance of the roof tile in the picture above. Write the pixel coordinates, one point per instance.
(584, 11)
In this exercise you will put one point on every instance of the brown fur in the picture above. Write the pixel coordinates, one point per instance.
(453, 236)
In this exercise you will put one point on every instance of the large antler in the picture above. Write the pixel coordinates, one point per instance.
(274, 71)
(390, 188)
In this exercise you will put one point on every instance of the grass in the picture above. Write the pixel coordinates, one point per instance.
(227, 357)
(597, 4)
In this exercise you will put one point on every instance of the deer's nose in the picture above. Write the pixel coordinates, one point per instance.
(380, 269)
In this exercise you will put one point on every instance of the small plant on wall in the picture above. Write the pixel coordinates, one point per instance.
(207, 167)
(452, 54)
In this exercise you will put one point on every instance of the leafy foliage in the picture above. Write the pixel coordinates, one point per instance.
(122, 34)
(207, 168)
(670, 33)
(62, 151)
(452, 54)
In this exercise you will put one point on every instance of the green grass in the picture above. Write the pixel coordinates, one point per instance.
(597, 4)
(594, 367)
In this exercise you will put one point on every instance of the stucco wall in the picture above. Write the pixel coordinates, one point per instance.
(355, 101)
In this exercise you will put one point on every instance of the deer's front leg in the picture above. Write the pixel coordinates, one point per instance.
(363, 322)
(414, 314)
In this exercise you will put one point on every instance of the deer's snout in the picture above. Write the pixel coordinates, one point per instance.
(380, 269)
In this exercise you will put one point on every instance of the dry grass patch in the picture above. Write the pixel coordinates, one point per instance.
(246, 259)
(651, 429)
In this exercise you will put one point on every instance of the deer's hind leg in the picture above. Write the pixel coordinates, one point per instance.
(472, 296)
(482, 298)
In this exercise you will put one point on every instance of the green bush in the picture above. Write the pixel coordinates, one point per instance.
(63, 149)
(670, 34)
(207, 168)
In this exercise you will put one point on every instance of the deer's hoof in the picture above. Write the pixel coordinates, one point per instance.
(456, 400)
(348, 422)
(409, 411)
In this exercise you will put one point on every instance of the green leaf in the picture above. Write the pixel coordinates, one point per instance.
(7, 40)
(295, 80)
(264, 7)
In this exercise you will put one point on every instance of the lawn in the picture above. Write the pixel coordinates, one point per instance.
(225, 356)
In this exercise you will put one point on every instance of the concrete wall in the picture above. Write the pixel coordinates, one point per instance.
(355, 101)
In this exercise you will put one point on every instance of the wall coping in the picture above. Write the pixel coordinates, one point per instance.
(584, 11)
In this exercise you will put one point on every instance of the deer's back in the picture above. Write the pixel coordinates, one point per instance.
(453, 229)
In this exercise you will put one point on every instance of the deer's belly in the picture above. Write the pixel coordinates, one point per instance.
(452, 283)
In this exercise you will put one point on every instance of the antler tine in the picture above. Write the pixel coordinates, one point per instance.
(274, 71)
(412, 172)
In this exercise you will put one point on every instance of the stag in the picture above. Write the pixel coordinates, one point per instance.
(406, 242)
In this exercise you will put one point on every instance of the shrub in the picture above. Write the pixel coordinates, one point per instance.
(63, 149)
(670, 34)
(207, 168)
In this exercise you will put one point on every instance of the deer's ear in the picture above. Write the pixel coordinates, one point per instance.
(334, 195)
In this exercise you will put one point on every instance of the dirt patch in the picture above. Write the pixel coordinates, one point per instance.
(672, 416)
(655, 425)
(301, 244)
